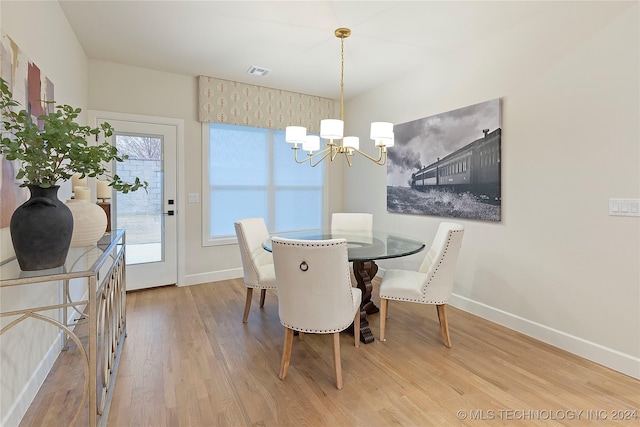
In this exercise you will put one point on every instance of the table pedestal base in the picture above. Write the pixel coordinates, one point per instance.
(364, 271)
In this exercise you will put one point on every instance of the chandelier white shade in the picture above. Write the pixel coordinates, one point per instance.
(332, 130)
(311, 144)
(382, 134)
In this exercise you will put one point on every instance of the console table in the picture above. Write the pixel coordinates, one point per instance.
(102, 268)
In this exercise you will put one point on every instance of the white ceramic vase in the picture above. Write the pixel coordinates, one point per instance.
(89, 222)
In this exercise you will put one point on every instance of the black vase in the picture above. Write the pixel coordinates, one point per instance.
(41, 230)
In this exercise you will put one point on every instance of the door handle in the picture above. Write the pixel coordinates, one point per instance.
(170, 213)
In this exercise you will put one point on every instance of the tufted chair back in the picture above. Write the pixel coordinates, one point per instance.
(352, 221)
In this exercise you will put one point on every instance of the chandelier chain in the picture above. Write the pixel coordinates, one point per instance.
(342, 78)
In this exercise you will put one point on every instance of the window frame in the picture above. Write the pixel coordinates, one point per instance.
(205, 199)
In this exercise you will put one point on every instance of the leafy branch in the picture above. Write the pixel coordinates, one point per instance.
(54, 148)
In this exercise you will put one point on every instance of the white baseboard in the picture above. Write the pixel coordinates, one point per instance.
(213, 276)
(605, 356)
(25, 398)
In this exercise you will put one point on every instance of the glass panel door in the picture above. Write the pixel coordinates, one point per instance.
(149, 217)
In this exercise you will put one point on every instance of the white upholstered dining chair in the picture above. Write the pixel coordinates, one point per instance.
(351, 221)
(315, 293)
(431, 284)
(257, 263)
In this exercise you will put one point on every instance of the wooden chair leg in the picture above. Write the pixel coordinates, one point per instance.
(444, 324)
(336, 359)
(383, 316)
(286, 353)
(247, 305)
(263, 294)
(356, 328)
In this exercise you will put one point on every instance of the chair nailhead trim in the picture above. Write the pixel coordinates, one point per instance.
(414, 300)
(449, 235)
(318, 331)
(309, 244)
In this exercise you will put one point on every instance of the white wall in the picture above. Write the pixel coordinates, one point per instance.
(27, 351)
(556, 267)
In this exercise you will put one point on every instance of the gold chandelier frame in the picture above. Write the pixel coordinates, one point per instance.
(332, 130)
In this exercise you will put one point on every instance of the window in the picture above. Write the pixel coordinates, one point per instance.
(250, 172)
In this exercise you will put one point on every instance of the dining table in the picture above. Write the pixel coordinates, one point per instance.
(364, 249)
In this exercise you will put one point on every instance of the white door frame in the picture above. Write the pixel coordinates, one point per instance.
(92, 119)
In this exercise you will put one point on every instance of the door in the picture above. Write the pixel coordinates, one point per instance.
(149, 217)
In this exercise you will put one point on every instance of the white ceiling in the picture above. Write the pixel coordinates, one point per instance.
(293, 39)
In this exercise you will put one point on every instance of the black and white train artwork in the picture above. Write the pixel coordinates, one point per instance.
(448, 165)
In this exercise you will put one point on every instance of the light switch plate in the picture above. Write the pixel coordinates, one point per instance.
(624, 207)
(194, 197)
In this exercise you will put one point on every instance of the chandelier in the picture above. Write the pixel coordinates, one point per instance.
(332, 130)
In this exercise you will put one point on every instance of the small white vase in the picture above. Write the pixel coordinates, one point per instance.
(89, 222)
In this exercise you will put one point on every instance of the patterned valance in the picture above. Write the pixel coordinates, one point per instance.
(225, 101)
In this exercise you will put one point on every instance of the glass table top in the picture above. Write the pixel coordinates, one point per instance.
(361, 245)
(80, 262)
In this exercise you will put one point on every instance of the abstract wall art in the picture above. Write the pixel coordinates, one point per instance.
(34, 91)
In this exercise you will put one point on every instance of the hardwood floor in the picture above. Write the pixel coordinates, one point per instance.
(188, 360)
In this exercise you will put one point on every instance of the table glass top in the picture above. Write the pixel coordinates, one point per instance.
(81, 262)
(361, 245)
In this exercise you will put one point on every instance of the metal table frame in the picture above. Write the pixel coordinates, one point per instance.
(104, 311)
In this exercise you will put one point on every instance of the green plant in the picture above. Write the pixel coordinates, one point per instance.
(53, 152)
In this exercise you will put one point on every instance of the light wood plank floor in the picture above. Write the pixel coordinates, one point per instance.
(188, 360)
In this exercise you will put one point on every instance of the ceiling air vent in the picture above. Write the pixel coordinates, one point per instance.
(257, 71)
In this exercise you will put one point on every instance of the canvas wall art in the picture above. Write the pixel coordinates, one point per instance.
(448, 165)
(32, 89)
